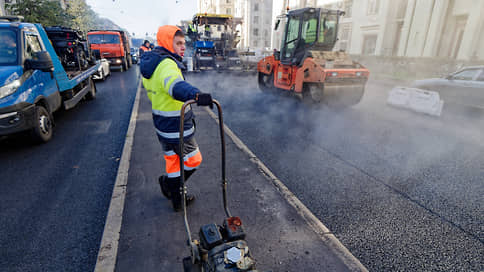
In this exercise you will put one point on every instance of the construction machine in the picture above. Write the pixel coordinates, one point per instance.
(306, 64)
(212, 41)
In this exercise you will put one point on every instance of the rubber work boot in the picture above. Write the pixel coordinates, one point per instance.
(176, 195)
(162, 180)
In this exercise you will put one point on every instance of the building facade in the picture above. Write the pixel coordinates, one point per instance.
(217, 6)
(256, 29)
(2, 8)
(408, 28)
(257, 24)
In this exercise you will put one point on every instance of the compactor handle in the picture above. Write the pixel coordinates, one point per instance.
(222, 139)
(181, 147)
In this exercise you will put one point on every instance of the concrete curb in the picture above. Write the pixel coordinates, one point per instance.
(108, 250)
(317, 226)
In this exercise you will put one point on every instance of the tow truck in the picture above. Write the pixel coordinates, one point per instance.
(33, 82)
(306, 64)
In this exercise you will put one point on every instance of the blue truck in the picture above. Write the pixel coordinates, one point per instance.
(33, 82)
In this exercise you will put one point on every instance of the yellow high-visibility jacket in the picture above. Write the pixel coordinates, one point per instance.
(167, 90)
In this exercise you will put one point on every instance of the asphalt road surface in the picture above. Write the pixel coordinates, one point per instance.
(55, 196)
(402, 191)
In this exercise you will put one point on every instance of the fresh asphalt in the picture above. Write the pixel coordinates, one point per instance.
(402, 191)
(55, 196)
(153, 237)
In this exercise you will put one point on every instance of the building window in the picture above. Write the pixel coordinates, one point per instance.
(267, 44)
(348, 8)
(373, 6)
(256, 19)
(345, 32)
(256, 7)
(228, 2)
(254, 43)
(343, 46)
(402, 9)
(228, 11)
(256, 32)
(369, 45)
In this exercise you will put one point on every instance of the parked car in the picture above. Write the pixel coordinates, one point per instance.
(103, 71)
(466, 86)
(71, 47)
(134, 55)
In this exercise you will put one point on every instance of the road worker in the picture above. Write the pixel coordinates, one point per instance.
(192, 32)
(144, 48)
(207, 31)
(8, 46)
(167, 89)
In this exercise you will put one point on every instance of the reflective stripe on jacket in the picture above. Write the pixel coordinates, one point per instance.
(142, 50)
(167, 90)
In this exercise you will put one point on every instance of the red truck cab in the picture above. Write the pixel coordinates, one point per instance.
(112, 45)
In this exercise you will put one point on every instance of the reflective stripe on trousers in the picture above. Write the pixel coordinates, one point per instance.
(190, 162)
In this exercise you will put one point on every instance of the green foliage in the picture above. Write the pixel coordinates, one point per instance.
(81, 14)
(46, 12)
(77, 15)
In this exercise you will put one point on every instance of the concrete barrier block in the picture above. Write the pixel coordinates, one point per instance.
(418, 100)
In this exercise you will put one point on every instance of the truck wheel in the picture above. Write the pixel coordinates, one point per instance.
(313, 93)
(91, 95)
(92, 59)
(130, 63)
(81, 59)
(266, 82)
(43, 124)
(125, 65)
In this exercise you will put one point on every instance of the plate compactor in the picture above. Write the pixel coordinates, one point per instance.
(221, 247)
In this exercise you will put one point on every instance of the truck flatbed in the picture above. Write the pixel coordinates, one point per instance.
(65, 80)
(34, 83)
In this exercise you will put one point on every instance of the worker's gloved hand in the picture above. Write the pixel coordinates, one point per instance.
(204, 99)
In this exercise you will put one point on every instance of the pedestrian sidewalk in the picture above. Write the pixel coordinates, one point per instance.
(281, 232)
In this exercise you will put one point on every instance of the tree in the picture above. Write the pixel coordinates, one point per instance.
(81, 14)
(78, 15)
(45, 12)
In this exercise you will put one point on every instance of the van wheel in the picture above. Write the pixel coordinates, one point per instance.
(43, 125)
(91, 95)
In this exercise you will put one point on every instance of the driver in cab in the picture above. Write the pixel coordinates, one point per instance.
(8, 45)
